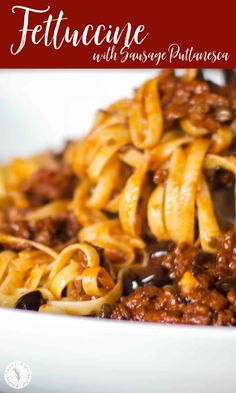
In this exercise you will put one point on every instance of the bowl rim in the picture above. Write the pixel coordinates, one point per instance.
(8, 315)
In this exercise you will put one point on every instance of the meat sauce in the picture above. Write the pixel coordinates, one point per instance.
(210, 300)
(44, 187)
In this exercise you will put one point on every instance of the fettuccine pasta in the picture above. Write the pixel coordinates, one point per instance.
(72, 224)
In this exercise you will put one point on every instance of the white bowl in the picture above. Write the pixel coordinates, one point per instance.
(79, 354)
(39, 109)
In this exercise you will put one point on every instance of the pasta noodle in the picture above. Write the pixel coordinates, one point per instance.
(208, 226)
(146, 130)
(191, 175)
(72, 224)
(172, 196)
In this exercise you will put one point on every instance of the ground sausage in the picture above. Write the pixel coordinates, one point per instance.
(47, 186)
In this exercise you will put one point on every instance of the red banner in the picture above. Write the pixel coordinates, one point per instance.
(124, 34)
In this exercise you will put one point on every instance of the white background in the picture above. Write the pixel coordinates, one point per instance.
(42, 108)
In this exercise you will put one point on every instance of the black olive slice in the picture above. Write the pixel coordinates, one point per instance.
(30, 301)
(130, 282)
(153, 275)
(157, 251)
(225, 284)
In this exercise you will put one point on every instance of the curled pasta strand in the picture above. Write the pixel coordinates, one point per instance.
(51, 309)
(6, 258)
(24, 243)
(116, 134)
(23, 262)
(155, 213)
(106, 185)
(221, 139)
(13, 280)
(132, 157)
(191, 175)
(162, 152)
(83, 213)
(92, 277)
(112, 206)
(8, 300)
(50, 210)
(63, 278)
(213, 161)
(27, 259)
(91, 256)
(34, 278)
(109, 235)
(80, 154)
(208, 226)
(171, 135)
(129, 202)
(192, 129)
(172, 194)
(145, 121)
(90, 307)
(109, 118)
(121, 106)
(118, 138)
(46, 293)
